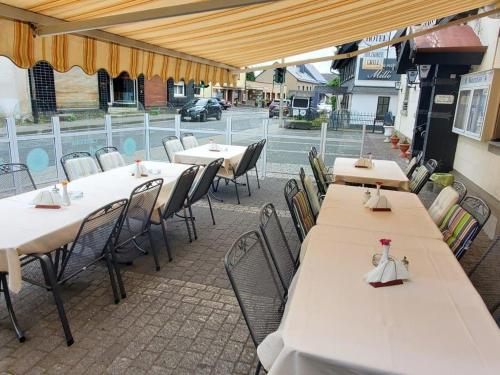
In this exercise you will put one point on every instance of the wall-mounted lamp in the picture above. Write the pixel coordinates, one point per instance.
(411, 78)
(397, 86)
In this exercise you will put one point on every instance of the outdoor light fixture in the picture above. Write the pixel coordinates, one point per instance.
(411, 78)
(397, 85)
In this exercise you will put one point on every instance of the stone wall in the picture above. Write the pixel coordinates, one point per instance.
(75, 89)
(155, 92)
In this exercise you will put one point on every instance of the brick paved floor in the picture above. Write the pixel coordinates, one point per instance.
(183, 319)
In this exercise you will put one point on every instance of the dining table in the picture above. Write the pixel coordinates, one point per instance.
(336, 323)
(386, 172)
(27, 230)
(343, 206)
(207, 153)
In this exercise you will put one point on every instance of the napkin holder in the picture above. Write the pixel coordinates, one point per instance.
(141, 170)
(47, 199)
(387, 273)
(378, 203)
(363, 163)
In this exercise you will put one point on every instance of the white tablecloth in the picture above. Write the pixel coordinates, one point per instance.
(202, 155)
(31, 230)
(385, 171)
(343, 206)
(335, 323)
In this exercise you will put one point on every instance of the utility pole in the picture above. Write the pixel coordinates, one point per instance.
(281, 97)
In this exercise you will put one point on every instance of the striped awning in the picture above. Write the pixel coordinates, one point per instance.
(225, 39)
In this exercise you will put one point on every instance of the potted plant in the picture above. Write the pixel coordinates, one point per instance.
(404, 145)
(394, 139)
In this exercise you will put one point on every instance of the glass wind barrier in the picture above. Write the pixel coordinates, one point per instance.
(40, 157)
(131, 144)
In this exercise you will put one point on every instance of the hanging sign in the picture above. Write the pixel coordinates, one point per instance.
(444, 99)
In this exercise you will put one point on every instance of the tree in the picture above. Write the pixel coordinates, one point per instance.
(334, 82)
(250, 76)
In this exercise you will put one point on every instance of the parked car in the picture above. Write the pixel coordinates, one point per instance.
(274, 108)
(223, 103)
(324, 107)
(200, 109)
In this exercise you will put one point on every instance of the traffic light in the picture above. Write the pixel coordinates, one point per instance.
(279, 75)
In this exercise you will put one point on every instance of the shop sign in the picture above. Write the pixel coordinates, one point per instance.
(444, 99)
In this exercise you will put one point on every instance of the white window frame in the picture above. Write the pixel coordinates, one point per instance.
(180, 84)
(197, 87)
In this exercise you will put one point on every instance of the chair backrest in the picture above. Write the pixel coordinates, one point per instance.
(318, 175)
(78, 164)
(299, 208)
(94, 235)
(189, 141)
(477, 208)
(109, 158)
(256, 285)
(443, 202)
(312, 196)
(460, 189)
(485, 277)
(245, 160)
(180, 192)
(15, 178)
(172, 145)
(419, 179)
(314, 151)
(285, 261)
(137, 216)
(205, 181)
(412, 165)
(256, 154)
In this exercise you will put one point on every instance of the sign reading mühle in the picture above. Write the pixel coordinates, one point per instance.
(379, 64)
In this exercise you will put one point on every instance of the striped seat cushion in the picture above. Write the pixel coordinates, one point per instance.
(189, 142)
(111, 160)
(172, 146)
(303, 212)
(80, 167)
(312, 195)
(319, 173)
(418, 178)
(458, 227)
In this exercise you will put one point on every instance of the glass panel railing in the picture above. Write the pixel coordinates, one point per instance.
(162, 117)
(41, 124)
(126, 118)
(156, 150)
(82, 121)
(40, 157)
(345, 133)
(131, 144)
(89, 143)
(4, 132)
(247, 130)
(4, 152)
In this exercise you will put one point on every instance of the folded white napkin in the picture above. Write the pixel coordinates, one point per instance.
(47, 198)
(379, 202)
(143, 171)
(388, 270)
(363, 163)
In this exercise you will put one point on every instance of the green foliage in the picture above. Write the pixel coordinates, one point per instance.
(250, 76)
(334, 82)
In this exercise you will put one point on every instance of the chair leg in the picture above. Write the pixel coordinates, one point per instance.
(153, 250)
(164, 231)
(211, 211)
(10, 308)
(109, 264)
(49, 273)
(192, 222)
(257, 370)
(236, 187)
(257, 174)
(248, 185)
(187, 225)
(118, 273)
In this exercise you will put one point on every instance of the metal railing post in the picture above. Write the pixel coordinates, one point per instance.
(146, 136)
(11, 131)
(108, 126)
(177, 123)
(322, 141)
(229, 130)
(58, 146)
(362, 141)
(264, 151)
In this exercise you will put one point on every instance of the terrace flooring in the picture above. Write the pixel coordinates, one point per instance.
(183, 319)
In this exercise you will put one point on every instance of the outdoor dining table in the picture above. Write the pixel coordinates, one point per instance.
(204, 154)
(343, 206)
(386, 172)
(336, 323)
(26, 229)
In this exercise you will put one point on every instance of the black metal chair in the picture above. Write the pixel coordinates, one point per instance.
(202, 188)
(240, 170)
(302, 216)
(87, 167)
(481, 212)
(314, 151)
(423, 174)
(109, 158)
(413, 164)
(461, 190)
(176, 203)
(320, 181)
(171, 144)
(255, 158)
(485, 276)
(284, 259)
(92, 244)
(256, 285)
(302, 175)
(136, 222)
(4, 288)
(15, 178)
(189, 141)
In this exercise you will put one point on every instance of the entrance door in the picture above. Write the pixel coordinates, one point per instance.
(123, 90)
(382, 106)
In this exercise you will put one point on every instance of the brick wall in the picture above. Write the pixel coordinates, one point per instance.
(155, 92)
